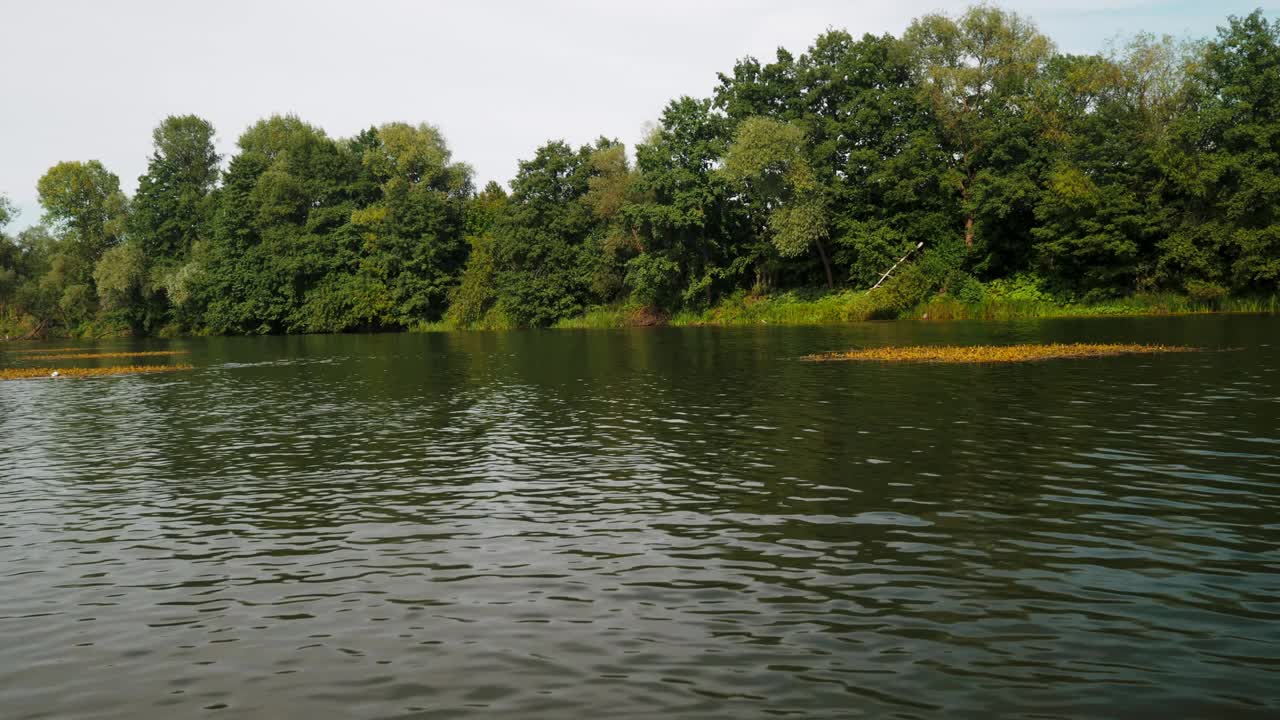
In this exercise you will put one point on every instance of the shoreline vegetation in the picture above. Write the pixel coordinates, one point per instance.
(820, 307)
(806, 307)
(853, 306)
(964, 169)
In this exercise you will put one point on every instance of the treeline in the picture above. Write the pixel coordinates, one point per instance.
(1154, 167)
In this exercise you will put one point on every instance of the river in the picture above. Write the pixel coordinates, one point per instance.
(657, 522)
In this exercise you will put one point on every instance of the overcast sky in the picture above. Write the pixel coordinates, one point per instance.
(89, 79)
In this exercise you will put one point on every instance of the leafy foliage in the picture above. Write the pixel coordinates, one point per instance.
(1031, 178)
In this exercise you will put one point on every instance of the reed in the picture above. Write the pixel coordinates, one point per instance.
(48, 372)
(992, 353)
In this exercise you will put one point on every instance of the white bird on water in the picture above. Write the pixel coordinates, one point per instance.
(55, 373)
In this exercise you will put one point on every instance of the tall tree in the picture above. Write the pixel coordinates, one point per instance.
(547, 246)
(414, 247)
(875, 149)
(171, 212)
(1101, 216)
(1223, 165)
(768, 160)
(979, 72)
(29, 292)
(472, 302)
(83, 202)
(9, 256)
(284, 196)
(682, 225)
(88, 212)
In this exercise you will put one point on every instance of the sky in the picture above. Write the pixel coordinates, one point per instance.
(86, 79)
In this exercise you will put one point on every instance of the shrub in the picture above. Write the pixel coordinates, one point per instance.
(1205, 292)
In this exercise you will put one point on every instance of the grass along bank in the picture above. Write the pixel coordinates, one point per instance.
(825, 308)
(821, 307)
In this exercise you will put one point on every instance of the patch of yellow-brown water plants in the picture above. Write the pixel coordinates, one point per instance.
(993, 353)
(93, 356)
(81, 372)
(28, 351)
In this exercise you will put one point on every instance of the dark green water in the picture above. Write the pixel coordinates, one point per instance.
(654, 523)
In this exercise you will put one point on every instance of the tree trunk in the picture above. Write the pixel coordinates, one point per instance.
(706, 262)
(968, 221)
(826, 265)
(37, 332)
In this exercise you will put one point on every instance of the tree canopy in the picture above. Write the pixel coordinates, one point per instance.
(1153, 167)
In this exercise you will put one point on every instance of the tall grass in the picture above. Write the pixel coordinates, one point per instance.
(614, 316)
(492, 320)
(812, 307)
(948, 308)
(597, 318)
(798, 307)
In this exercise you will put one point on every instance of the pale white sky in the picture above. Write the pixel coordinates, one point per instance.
(88, 79)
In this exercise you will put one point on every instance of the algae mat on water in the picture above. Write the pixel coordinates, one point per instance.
(993, 353)
(90, 356)
(28, 351)
(48, 372)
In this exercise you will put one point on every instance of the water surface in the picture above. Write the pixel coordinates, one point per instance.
(650, 523)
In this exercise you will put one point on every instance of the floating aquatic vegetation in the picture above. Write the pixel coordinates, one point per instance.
(993, 353)
(90, 356)
(48, 372)
(27, 351)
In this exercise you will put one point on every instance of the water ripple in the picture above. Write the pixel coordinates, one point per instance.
(644, 524)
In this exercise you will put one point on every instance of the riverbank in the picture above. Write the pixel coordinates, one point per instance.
(815, 307)
(17, 328)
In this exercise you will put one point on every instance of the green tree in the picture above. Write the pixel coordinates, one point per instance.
(1101, 216)
(546, 248)
(871, 142)
(979, 73)
(88, 212)
(680, 224)
(875, 149)
(472, 302)
(1223, 165)
(28, 294)
(84, 204)
(413, 234)
(10, 258)
(279, 229)
(768, 159)
(171, 212)
(120, 277)
(611, 187)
